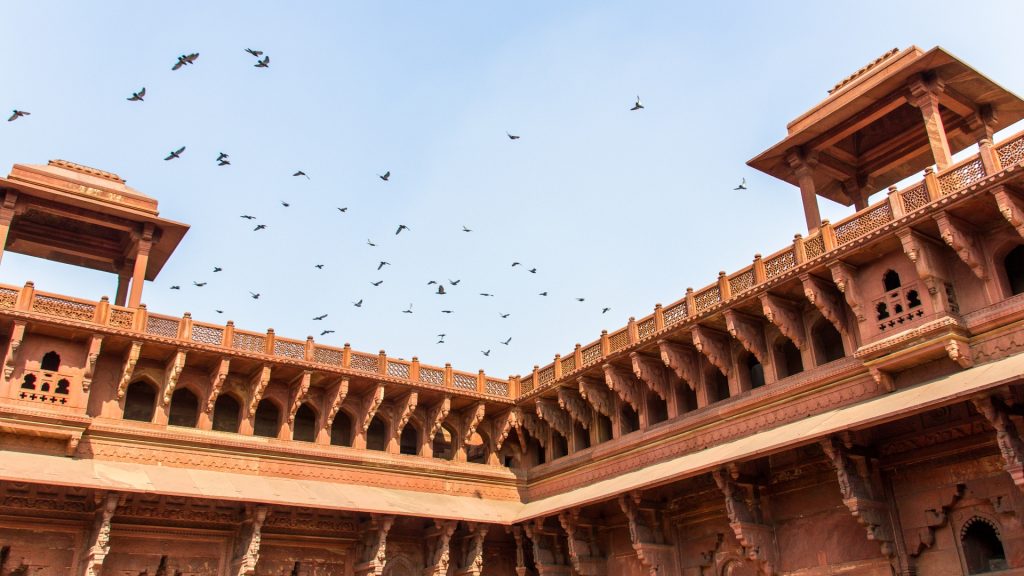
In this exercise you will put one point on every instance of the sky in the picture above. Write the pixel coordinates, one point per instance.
(622, 208)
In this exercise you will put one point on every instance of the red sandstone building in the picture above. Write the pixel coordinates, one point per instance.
(848, 404)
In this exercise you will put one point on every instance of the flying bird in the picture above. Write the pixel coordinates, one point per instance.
(223, 163)
(383, 264)
(514, 264)
(219, 311)
(358, 304)
(486, 352)
(604, 310)
(512, 136)
(505, 342)
(464, 229)
(318, 266)
(408, 310)
(543, 294)
(486, 294)
(370, 242)
(441, 335)
(285, 204)
(579, 299)
(320, 317)
(185, 60)
(175, 287)
(345, 209)
(217, 268)
(138, 96)
(532, 270)
(742, 186)
(199, 284)
(248, 217)
(440, 341)
(447, 311)
(175, 153)
(385, 176)
(400, 228)
(377, 283)
(506, 315)
(454, 282)
(259, 227)
(638, 105)
(18, 114)
(431, 282)
(265, 63)
(301, 173)
(326, 332)
(440, 289)
(222, 156)
(256, 53)
(255, 295)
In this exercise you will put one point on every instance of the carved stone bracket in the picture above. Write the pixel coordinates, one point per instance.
(714, 345)
(919, 538)
(95, 343)
(247, 545)
(403, 409)
(645, 534)
(536, 427)
(473, 557)
(99, 538)
(336, 397)
(373, 553)
(471, 418)
(923, 251)
(959, 351)
(300, 388)
(750, 333)
(655, 374)
(573, 403)
(1007, 436)
(786, 315)
(368, 407)
(959, 236)
(172, 372)
(855, 487)
(17, 335)
(128, 368)
(683, 359)
(436, 415)
(757, 540)
(258, 384)
(549, 411)
(548, 557)
(826, 299)
(845, 277)
(503, 425)
(217, 378)
(596, 392)
(1011, 207)
(625, 385)
(438, 558)
(584, 553)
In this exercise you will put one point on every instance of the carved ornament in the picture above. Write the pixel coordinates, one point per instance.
(370, 404)
(959, 236)
(854, 486)
(570, 400)
(1011, 207)
(471, 418)
(172, 372)
(714, 345)
(438, 551)
(683, 359)
(558, 419)
(785, 315)
(95, 343)
(298, 395)
(337, 396)
(845, 277)
(437, 414)
(1007, 437)
(654, 373)
(624, 384)
(596, 392)
(128, 368)
(258, 383)
(756, 539)
(826, 300)
(750, 333)
(217, 379)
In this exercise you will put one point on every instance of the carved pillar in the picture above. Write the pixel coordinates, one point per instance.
(925, 95)
(803, 169)
(247, 544)
(517, 535)
(742, 505)
(99, 538)
(473, 555)
(989, 158)
(373, 555)
(548, 557)
(584, 553)
(646, 536)
(10, 359)
(1007, 437)
(437, 548)
(858, 496)
(124, 276)
(143, 244)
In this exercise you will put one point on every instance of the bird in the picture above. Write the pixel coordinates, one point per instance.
(218, 311)
(18, 114)
(301, 173)
(504, 315)
(505, 342)
(514, 264)
(383, 264)
(431, 282)
(345, 209)
(377, 283)
(638, 105)
(370, 242)
(440, 289)
(604, 310)
(256, 53)
(543, 294)
(185, 60)
(742, 186)
(223, 163)
(400, 228)
(441, 335)
(440, 341)
(385, 176)
(358, 304)
(259, 227)
(318, 266)
(175, 153)
(222, 156)
(486, 294)
(175, 287)
(512, 136)
(320, 317)
(255, 295)
(454, 282)
(326, 332)
(217, 269)
(464, 229)
(285, 204)
(138, 96)
(579, 299)
(247, 217)
(532, 270)
(447, 311)
(408, 310)
(486, 352)
(265, 63)
(199, 284)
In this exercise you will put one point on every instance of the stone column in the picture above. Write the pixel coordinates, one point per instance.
(925, 95)
(803, 169)
(123, 279)
(142, 247)
(6, 216)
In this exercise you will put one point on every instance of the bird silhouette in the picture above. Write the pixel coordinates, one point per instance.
(175, 153)
(175, 287)
(137, 96)
(487, 294)
(259, 227)
(512, 136)
(219, 311)
(441, 335)
(504, 315)
(222, 156)
(256, 53)
(383, 264)
(742, 186)
(464, 229)
(505, 342)
(185, 60)
(486, 352)
(255, 295)
(543, 294)
(440, 341)
(18, 114)
(265, 63)
(345, 209)
(326, 332)
(285, 204)
(217, 268)
(579, 299)
(199, 284)
(532, 270)
(224, 163)
(247, 217)
(514, 264)
(604, 310)
(377, 283)
(447, 311)
(408, 310)
(370, 242)
(320, 317)
(440, 289)
(385, 176)
(638, 105)
(454, 282)
(318, 266)
(358, 304)
(301, 173)
(431, 282)
(400, 228)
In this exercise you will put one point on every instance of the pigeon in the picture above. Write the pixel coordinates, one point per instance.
(486, 294)
(301, 173)
(345, 209)
(318, 266)
(256, 53)
(431, 282)
(248, 217)
(224, 163)
(18, 114)
(370, 242)
(514, 264)
(358, 304)
(185, 60)
(259, 227)
(255, 295)
(175, 287)
(532, 270)
(454, 282)
(138, 96)
(441, 335)
(579, 299)
(199, 284)
(285, 204)
(377, 283)
(447, 311)
(440, 289)
(326, 332)
(440, 341)
(320, 317)
(217, 269)
(543, 294)
(222, 156)
(512, 136)
(265, 63)
(400, 228)
(638, 105)
(219, 311)
(385, 176)
(383, 264)
(505, 342)
(464, 229)
(175, 153)
(604, 310)
(408, 310)
(486, 352)
(742, 186)
(504, 315)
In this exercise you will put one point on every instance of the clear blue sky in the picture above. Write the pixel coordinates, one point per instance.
(624, 209)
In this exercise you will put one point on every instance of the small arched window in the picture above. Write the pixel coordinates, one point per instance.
(50, 362)
(140, 401)
(226, 412)
(657, 409)
(29, 383)
(376, 435)
(882, 311)
(304, 426)
(559, 445)
(629, 420)
(409, 441)
(604, 427)
(891, 280)
(267, 422)
(787, 359)
(755, 372)
(476, 449)
(828, 343)
(1013, 264)
(442, 444)
(983, 550)
(184, 409)
(341, 430)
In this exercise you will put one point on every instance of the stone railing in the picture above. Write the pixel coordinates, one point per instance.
(899, 203)
(184, 329)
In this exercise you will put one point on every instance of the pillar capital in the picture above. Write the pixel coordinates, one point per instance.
(925, 90)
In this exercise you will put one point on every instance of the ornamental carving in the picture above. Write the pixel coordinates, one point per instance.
(17, 335)
(336, 397)
(714, 345)
(403, 409)
(548, 555)
(625, 385)
(919, 539)
(654, 373)
(826, 299)
(596, 392)
(172, 372)
(645, 533)
(750, 333)
(1011, 207)
(1007, 437)
(785, 315)
(436, 415)
(95, 343)
(437, 548)
(247, 543)
(928, 262)
(373, 553)
(536, 427)
(300, 389)
(99, 539)
(584, 553)
(128, 368)
(371, 402)
(845, 277)
(471, 418)
(855, 488)
(473, 558)
(683, 359)
(743, 507)
(549, 411)
(958, 235)
(217, 378)
(503, 425)
(258, 384)
(570, 400)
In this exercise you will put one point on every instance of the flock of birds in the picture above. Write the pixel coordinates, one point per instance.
(223, 159)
